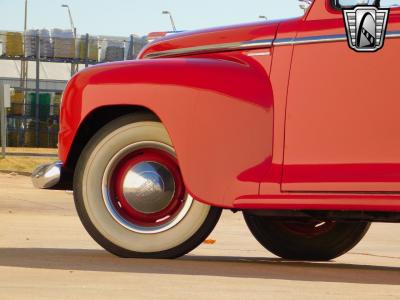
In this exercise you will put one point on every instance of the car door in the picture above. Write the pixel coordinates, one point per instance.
(343, 109)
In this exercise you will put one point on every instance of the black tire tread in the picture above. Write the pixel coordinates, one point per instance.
(330, 245)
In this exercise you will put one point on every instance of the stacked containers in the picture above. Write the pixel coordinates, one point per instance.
(44, 133)
(19, 133)
(29, 133)
(17, 104)
(30, 43)
(44, 114)
(138, 45)
(12, 136)
(15, 139)
(48, 120)
(55, 105)
(46, 46)
(52, 133)
(14, 44)
(44, 105)
(93, 54)
(112, 50)
(63, 43)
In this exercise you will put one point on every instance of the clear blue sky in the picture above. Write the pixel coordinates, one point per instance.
(123, 17)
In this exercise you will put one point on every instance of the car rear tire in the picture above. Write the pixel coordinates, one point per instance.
(130, 196)
(310, 240)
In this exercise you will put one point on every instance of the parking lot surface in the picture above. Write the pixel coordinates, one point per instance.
(46, 254)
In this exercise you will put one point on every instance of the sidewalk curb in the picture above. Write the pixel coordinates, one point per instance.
(44, 155)
(27, 174)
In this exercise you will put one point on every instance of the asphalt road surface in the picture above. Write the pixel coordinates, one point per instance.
(46, 254)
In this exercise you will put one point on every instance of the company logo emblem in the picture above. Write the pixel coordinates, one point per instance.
(366, 27)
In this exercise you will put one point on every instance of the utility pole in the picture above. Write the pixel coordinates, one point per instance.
(26, 15)
(24, 63)
(37, 89)
(5, 102)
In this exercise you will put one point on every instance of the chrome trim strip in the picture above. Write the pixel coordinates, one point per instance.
(212, 48)
(323, 39)
(393, 34)
(310, 40)
(283, 42)
(258, 44)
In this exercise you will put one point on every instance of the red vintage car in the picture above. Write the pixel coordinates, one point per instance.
(279, 120)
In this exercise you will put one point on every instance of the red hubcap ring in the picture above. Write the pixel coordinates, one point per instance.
(143, 188)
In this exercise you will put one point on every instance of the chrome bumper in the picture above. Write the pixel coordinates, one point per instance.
(47, 176)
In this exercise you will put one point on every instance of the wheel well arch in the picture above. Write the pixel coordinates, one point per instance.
(97, 119)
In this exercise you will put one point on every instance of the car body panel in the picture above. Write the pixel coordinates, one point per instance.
(236, 102)
(181, 93)
(342, 119)
(259, 31)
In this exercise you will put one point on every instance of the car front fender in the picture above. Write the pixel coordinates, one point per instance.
(218, 113)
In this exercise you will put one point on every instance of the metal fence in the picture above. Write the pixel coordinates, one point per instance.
(34, 113)
(22, 132)
(24, 129)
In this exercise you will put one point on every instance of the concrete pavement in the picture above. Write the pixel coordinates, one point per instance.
(46, 254)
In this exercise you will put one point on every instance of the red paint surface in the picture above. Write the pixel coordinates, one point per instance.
(182, 92)
(310, 126)
(342, 118)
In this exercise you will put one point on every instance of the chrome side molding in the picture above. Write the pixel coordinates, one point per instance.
(212, 48)
(257, 44)
(323, 39)
(310, 40)
(393, 34)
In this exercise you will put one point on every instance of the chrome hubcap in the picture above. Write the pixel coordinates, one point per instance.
(149, 187)
(143, 189)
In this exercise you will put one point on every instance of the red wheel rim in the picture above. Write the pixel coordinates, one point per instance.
(124, 207)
